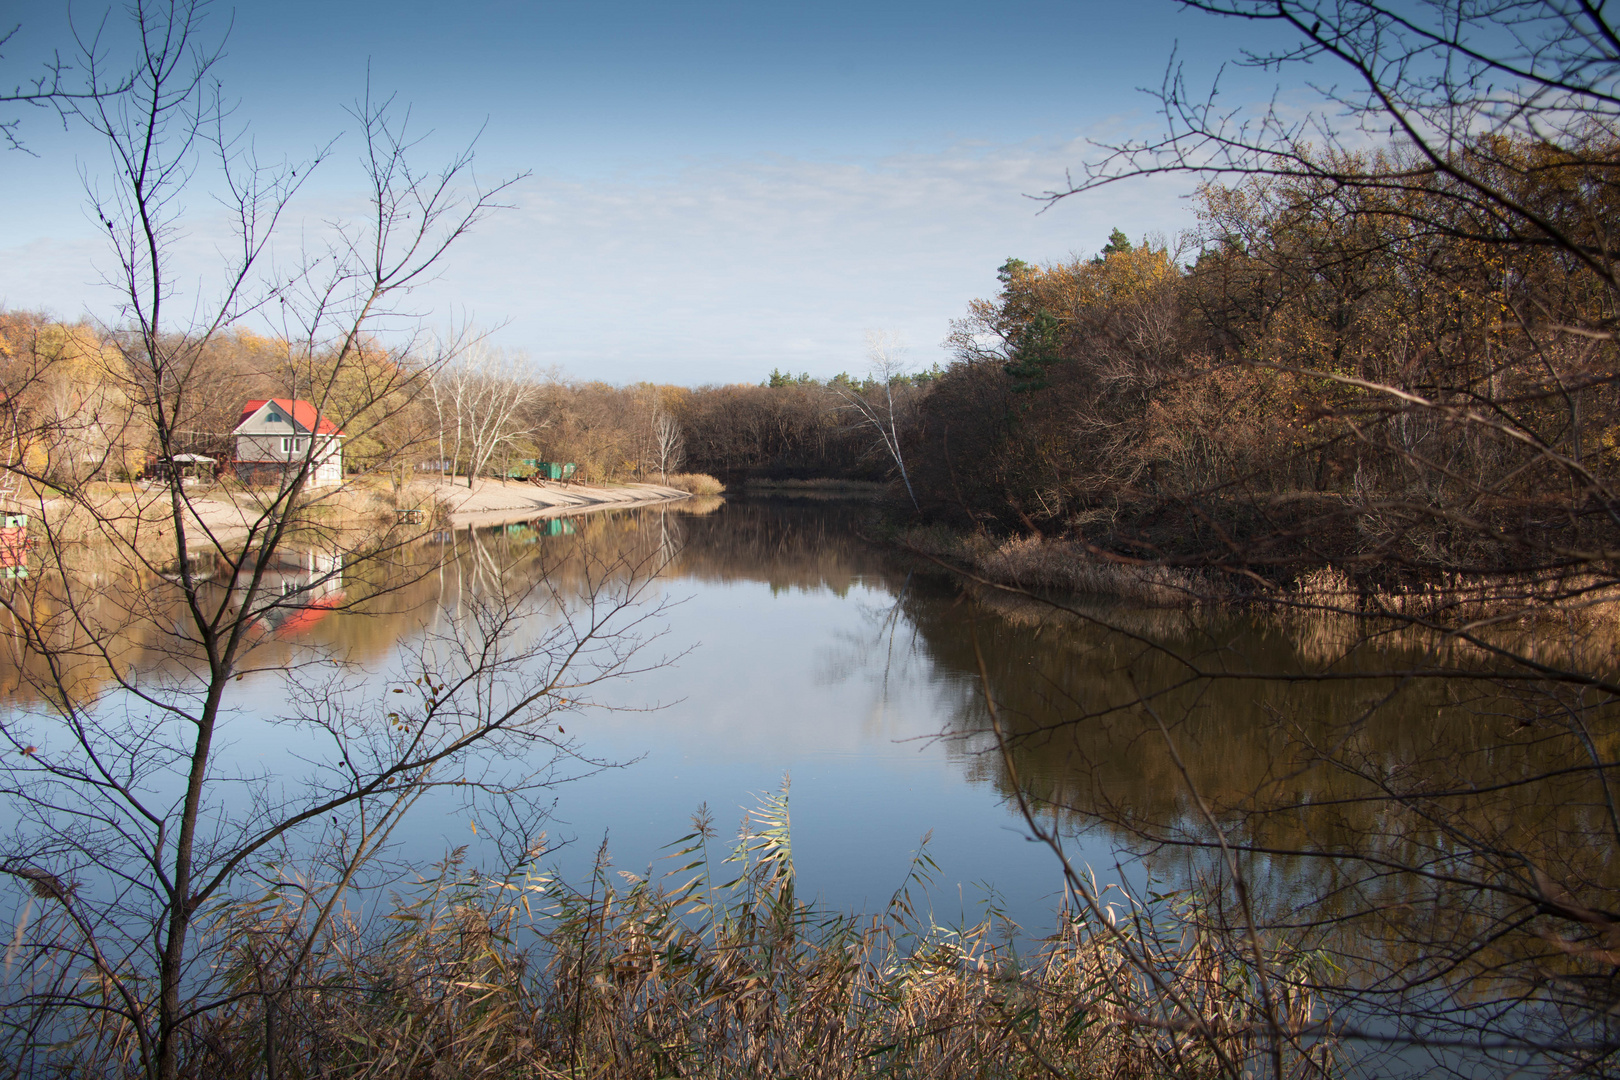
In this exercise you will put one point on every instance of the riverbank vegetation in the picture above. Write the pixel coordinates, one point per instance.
(1375, 393)
(463, 408)
(1329, 373)
(1323, 384)
(717, 968)
(1379, 383)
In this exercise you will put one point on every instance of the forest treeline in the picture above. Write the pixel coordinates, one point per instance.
(70, 397)
(1386, 378)
(1326, 371)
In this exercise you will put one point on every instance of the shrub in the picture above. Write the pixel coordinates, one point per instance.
(696, 483)
(526, 977)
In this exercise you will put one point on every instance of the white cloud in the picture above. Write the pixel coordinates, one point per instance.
(720, 271)
(717, 270)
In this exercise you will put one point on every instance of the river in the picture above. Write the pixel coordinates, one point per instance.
(779, 644)
(788, 649)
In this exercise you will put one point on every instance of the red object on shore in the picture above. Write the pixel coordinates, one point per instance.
(14, 545)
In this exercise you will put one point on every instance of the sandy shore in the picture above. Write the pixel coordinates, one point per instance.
(496, 502)
(126, 510)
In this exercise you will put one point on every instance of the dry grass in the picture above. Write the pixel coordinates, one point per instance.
(627, 979)
(696, 483)
(1037, 563)
(1555, 609)
(719, 971)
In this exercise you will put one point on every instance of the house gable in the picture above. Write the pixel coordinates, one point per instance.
(274, 434)
(283, 416)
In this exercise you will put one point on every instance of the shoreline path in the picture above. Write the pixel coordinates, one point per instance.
(487, 502)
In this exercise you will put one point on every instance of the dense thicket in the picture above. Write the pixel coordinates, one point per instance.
(1378, 385)
(785, 428)
(1340, 374)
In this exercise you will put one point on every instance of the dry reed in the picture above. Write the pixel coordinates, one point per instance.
(1553, 615)
(718, 971)
(1033, 562)
(696, 483)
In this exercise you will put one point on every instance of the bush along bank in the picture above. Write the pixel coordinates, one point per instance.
(721, 970)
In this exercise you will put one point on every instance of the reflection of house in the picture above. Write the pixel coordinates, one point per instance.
(527, 532)
(297, 590)
(14, 545)
(274, 438)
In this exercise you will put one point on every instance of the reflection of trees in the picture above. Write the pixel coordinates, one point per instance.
(1376, 811)
(370, 607)
(1070, 692)
(789, 545)
(1426, 825)
(308, 601)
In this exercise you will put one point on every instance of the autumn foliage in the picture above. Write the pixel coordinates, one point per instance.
(1331, 373)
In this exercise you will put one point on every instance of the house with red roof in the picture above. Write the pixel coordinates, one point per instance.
(277, 437)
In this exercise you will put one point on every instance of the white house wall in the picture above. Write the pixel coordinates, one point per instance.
(260, 458)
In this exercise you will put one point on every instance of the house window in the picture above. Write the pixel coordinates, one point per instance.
(290, 445)
(286, 446)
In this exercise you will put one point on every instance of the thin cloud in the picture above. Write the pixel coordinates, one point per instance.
(714, 270)
(721, 271)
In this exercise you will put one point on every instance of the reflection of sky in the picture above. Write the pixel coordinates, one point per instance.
(775, 674)
(794, 681)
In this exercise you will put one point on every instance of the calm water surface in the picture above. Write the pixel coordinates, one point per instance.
(796, 649)
(784, 645)
(797, 655)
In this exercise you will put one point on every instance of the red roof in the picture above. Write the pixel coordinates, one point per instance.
(301, 411)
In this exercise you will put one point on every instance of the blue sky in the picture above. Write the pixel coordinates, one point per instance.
(716, 189)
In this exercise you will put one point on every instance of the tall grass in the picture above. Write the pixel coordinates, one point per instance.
(1036, 563)
(719, 969)
(696, 483)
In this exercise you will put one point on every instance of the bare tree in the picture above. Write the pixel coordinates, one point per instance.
(1478, 524)
(874, 401)
(669, 445)
(481, 395)
(53, 88)
(134, 830)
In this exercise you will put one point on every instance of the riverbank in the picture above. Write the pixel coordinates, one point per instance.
(499, 502)
(223, 514)
(1497, 604)
(819, 488)
(1036, 563)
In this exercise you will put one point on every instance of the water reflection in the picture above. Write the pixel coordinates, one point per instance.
(1077, 693)
(295, 590)
(1083, 697)
(1378, 783)
(1439, 824)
